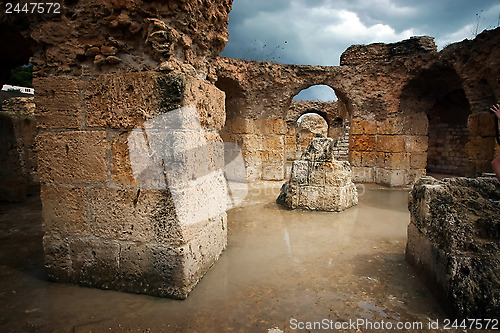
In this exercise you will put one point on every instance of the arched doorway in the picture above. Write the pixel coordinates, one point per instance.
(316, 110)
(309, 125)
(437, 92)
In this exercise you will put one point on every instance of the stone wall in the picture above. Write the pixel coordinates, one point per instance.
(262, 142)
(446, 152)
(18, 168)
(107, 75)
(388, 92)
(103, 225)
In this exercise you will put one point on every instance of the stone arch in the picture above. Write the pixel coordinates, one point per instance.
(437, 93)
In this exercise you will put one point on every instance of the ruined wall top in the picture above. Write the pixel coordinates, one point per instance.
(106, 36)
(381, 52)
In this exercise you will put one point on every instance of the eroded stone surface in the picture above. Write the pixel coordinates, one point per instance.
(318, 181)
(453, 241)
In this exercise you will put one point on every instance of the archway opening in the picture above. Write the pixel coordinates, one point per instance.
(437, 92)
(319, 93)
(309, 125)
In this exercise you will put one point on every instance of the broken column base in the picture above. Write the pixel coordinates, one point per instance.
(145, 268)
(318, 181)
(453, 242)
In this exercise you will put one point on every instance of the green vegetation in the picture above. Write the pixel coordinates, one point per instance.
(22, 76)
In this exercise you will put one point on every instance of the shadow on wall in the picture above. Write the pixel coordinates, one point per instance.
(438, 93)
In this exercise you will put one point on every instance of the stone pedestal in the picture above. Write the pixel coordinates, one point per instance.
(130, 173)
(453, 242)
(318, 182)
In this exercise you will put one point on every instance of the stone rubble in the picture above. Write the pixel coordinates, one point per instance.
(454, 240)
(318, 181)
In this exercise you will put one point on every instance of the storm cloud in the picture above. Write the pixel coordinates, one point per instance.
(317, 32)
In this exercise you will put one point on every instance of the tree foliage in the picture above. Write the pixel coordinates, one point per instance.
(22, 76)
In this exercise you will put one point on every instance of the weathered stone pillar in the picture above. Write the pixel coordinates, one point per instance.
(110, 213)
(453, 242)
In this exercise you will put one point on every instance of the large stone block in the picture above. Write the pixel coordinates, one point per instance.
(72, 157)
(242, 126)
(397, 160)
(416, 143)
(481, 124)
(64, 210)
(58, 102)
(249, 141)
(362, 142)
(480, 148)
(390, 177)
(274, 171)
(416, 124)
(273, 142)
(418, 160)
(390, 143)
(453, 242)
(373, 158)
(391, 126)
(126, 101)
(140, 267)
(363, 174)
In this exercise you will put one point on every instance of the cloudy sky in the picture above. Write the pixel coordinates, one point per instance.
(316, 32)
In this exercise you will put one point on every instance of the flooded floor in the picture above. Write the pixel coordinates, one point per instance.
(281, 270)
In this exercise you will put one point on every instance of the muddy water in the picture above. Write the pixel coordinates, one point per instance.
(279, 266)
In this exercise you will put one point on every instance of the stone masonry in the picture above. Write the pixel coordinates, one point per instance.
(453, 242)
(389, 93)
(108, 78)
(318, 181)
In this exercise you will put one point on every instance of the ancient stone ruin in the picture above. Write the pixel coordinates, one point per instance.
(17, 147)
(106, 72)
(318, 181)
(454, 239)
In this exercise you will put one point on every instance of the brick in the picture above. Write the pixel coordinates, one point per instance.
(273, 142)
(264, 126)
(121, 169)
(369, 126)
(58, 102)
(374, 158)
(416, 124)
(242, 126)
(391, 126)
(418, 160)
(390, 143)
(249, 141)
(479, 148)
(362, 142)
(397, 161)
(355, 158)
(72, 157)
(126, 101)
(64, 210)
(416, 143)
(390, 177)
(481, 124)
(363, 174)
(357, 126)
